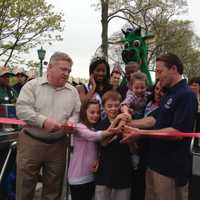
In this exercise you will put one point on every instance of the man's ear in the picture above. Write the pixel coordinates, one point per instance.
(174, 68)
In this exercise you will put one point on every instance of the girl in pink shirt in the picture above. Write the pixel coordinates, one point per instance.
(80, 175)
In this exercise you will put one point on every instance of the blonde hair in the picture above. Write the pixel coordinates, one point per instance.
(138, 76)
(60, 56)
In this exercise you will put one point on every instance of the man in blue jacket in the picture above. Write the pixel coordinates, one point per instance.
(168, 159)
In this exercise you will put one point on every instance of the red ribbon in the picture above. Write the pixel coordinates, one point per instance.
(15, 121)
(164, 134)
(171, 134)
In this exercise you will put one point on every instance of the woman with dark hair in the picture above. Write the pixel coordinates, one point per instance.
(154, 99)
(115, 76)
(99, 80)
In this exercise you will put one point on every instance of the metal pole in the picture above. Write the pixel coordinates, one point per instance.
(69, 149)
(13, 145)
(41, 68)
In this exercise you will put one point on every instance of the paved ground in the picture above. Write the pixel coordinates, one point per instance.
(38, 191)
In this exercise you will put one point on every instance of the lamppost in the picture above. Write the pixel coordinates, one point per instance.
(41, 54)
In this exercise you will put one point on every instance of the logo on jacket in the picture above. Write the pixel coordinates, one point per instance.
(168, 104)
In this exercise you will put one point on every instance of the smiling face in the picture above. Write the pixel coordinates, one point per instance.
(100, 72)
(139, 87)
(93, 113)
(115, 78)
(58, 73)
(111, 108)
(164, 74)
(21, 78)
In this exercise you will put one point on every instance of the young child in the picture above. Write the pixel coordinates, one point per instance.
(80, 175)
(136, 97)
(113, 176)
(134, 106)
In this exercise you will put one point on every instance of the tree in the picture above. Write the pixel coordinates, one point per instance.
(142, 13)
(178, 37)
(109, 10)
(104, 22)
(25, 24)
(158, 17)
(123, 9)
(171, 35)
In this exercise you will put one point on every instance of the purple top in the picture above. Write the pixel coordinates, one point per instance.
(150, 107)
(135, 102)
(83, 156)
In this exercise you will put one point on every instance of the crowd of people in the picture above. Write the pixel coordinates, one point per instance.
(8, 93)
(112, 157)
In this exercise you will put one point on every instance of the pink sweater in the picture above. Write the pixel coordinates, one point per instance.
(83, 156)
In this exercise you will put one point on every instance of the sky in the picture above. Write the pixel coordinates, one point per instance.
(82, 33)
